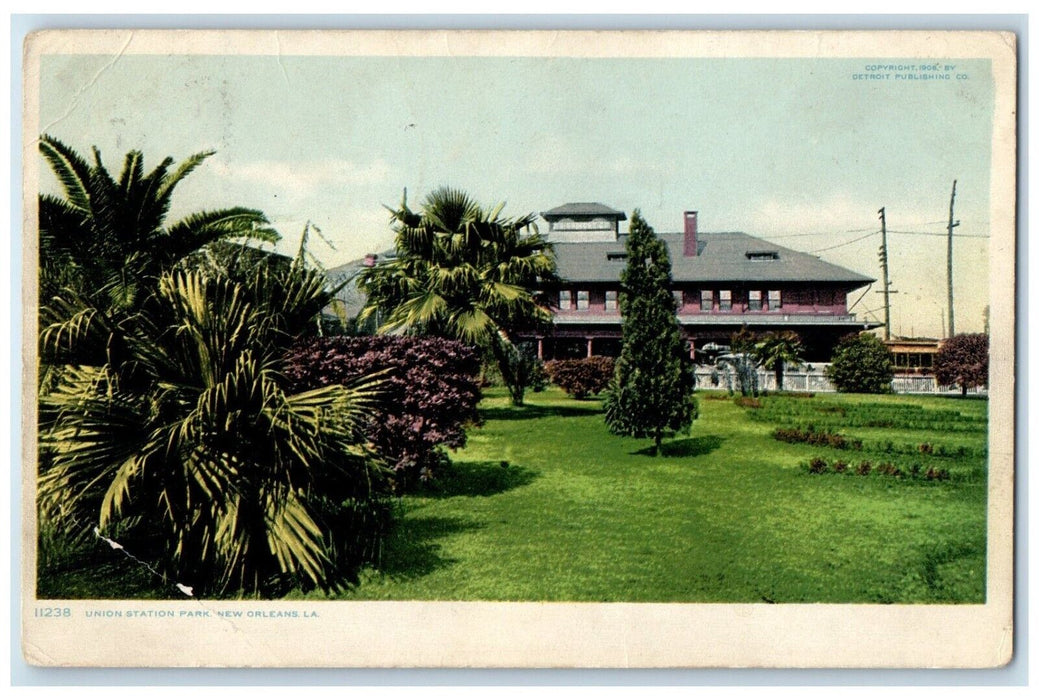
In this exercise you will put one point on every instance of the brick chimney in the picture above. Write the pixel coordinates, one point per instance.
(689, 249)
(369, 259)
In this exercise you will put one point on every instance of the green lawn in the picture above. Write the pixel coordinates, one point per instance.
(545, 504)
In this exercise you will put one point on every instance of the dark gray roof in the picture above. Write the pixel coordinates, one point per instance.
(584, 209)
(722, 258)
(352, 298)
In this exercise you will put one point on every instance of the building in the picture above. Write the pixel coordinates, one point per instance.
(722, 282)
(914, 355)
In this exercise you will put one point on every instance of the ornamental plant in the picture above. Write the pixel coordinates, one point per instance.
(652, 390)
(164, 418)
(861, 364)
(428, 395)
(465, 272)
(581, 378)
(775, 349)
(963, 360)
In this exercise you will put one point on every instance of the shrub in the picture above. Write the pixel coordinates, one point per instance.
(428, 397)
(817, 465)
(747, 402)
(888, 469)
(811, 436)
(864, 468)
(963, 360)
(538, 379)
(863, 364)
(581, 378)
(840, 466)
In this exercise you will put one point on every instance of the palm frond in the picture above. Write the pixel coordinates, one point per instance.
(72, 171)
(201, 228)
(295, 538)
(170, 181)
(473, 325)
(131, 175)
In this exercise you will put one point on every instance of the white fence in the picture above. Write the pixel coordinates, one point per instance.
(813, 379)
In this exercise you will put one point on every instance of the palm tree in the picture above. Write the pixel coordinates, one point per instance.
(463, 272)
(107, 236)
(192, 444)
(167, 419)
(777, 348)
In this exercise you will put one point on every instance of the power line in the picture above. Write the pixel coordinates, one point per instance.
(931, 223)
(861, 230)
(942, 234)
(854, 240)
(824, 233)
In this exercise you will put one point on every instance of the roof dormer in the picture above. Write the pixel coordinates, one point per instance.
(583, 222)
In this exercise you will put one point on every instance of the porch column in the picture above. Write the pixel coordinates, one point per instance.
(589, 347)
(541, 348)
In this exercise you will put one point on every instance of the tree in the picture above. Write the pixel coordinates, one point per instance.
(466, 273)
(963, 360)
(189, 440)
(652, 389)
(861, 363)
(106, 238)
(743, 362)
(777, 348)
(168, 420)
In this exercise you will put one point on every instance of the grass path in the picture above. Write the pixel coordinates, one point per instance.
(545, 504)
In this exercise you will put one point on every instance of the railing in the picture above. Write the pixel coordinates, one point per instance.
(815, 381)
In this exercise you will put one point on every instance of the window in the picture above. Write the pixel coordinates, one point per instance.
(775, 299)
(754, 300)
(582, 299)
(679, 298)
(611, 299)
(564, 299)
(616, 256)
(706, 300)
(582, 225)
(760, 255)
(725, 300)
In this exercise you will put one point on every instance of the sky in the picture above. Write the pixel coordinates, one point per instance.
(800, 151)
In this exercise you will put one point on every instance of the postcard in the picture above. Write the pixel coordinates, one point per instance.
(519, 349)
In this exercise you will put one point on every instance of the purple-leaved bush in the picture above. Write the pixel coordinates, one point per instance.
(581, 378)
(428, 395)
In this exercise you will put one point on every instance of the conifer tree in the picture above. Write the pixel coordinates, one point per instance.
(652, 389)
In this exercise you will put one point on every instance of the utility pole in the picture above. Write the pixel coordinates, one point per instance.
(952, 224)
(883, 267)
